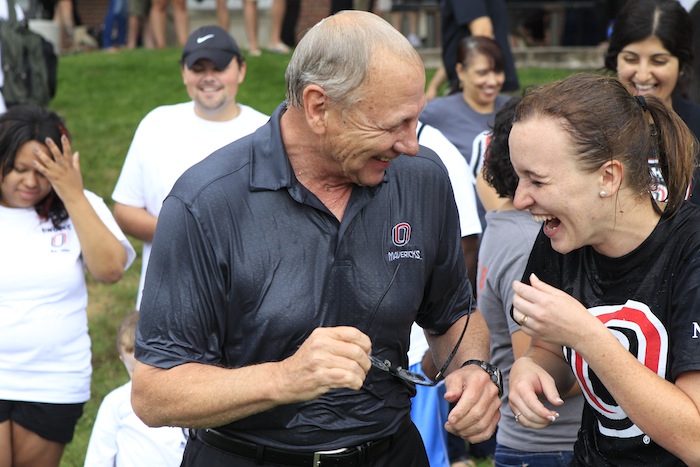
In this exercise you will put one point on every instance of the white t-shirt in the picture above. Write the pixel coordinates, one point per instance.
(4, 15)
(120, 439)
(44, 342)
(168, 141)
(460, 177)
(463, 190)
(688, 4)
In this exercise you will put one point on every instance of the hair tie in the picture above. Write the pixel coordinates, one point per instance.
(642, 102)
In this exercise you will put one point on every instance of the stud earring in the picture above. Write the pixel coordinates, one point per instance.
(603, 194)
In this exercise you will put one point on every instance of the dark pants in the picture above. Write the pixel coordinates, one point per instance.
(406, 451)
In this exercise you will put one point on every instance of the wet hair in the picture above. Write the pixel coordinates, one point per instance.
(665, 19)
(20, 125)
(605, 122)
(483, 45)
(126, 334)
(336, 54)
(498, 170)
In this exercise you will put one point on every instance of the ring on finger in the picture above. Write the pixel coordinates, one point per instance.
(517, 416)
(522, 321)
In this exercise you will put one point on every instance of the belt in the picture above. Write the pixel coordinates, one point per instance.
(356, 456)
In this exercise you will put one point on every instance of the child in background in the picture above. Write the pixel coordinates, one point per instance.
(119, 438)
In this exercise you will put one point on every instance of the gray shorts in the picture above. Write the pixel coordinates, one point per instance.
(139, 8)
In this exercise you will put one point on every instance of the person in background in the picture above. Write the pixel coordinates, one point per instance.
(693, 7)
(117, 15)
(250, 17)
(138, 29)
(212, 69)
(504, 250)
(462, 187)
(463, 18)
(611, 289)
(474, 100)
(53, 231)
(651, 52)
(397, 19)
(64, 17)
(119, 437)
(4, 15)
(468, 110)
(429, 408)
(311, 234)
(158, 18)
(292, 11)
(223, 17)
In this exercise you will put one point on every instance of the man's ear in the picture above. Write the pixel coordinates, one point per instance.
(316, 108)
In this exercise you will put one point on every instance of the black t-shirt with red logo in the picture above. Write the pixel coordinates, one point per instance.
(650, 299)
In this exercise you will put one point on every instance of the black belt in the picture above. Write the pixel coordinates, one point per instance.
(356, 456)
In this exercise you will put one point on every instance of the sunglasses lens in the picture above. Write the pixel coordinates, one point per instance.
(384, 366)
(410, 376)
(415, 378)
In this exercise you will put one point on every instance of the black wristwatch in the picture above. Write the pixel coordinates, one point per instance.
(493, 371)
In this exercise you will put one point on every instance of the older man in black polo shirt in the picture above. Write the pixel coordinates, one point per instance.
(288, 267)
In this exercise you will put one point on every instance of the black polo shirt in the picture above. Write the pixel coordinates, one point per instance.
(246, 262)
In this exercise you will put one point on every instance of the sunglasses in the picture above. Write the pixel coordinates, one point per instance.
(411, 376)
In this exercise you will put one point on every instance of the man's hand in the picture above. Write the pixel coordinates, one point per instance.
(330, 358)
(476, 412)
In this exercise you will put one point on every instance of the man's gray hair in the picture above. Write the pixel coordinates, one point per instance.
(336, 55)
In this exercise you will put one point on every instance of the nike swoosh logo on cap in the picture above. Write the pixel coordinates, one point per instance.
(204, 38)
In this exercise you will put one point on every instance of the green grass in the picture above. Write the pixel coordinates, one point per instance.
(102, 98)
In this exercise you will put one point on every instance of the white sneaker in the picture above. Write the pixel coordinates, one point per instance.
(414, 40)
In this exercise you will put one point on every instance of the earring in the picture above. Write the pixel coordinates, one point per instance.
(603, 194)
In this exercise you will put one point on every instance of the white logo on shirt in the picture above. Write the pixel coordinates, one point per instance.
(400, 236)
(204, 38)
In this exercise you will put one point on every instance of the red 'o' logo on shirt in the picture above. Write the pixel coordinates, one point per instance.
(640, 332)
(58, 240)
(401, 233)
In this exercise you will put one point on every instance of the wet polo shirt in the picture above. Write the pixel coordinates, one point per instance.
(247, 262)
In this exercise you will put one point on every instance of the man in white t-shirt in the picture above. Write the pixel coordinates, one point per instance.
(463, 189)
(172, 138)
(428, 407)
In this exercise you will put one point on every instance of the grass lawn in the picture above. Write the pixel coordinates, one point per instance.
(102, 98)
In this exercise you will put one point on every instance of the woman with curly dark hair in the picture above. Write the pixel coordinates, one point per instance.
(52, 231)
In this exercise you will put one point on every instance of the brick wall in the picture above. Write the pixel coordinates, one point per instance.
(312, 11)
(92, 12)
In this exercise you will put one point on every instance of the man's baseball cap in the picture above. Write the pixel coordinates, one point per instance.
(213, 43)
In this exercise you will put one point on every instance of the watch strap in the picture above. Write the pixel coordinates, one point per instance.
(492, 370)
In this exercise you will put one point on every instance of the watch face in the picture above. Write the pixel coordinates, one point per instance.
(497, 379)
(493, 371)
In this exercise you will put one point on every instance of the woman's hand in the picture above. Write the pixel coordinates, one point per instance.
(527, 381)
(552, 315)
(61, 169)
